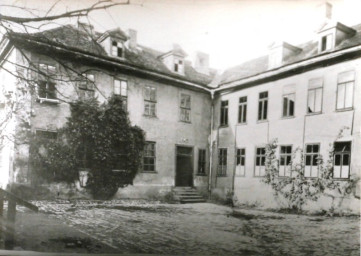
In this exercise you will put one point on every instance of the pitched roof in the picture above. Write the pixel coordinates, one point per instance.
(69, 37)
(259, 65)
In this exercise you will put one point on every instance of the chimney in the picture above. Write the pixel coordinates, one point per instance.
(201, 63)
(86, 27)
(132, 41)
(279, 52)
(323, 14)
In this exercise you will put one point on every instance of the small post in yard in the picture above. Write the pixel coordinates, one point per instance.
(1, 221)
(10, 225)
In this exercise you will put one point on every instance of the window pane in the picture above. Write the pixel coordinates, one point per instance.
(124, 88)
(318, 100)
(346, 159)
(116, 87)
(260, 104)
(349, 94)
(265, 110)
(311, 101)
(341, 96)
(337, 160)
(345, 172)
(51, 91)
(291, 105)
(308, 160)
(285, 105)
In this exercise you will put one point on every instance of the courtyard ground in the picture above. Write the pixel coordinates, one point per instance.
(142, 227)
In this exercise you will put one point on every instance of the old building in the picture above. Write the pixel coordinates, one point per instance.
(164, 94)
(202, 130)
(304, 96)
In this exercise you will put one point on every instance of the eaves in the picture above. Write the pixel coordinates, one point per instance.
(292, 69)
(92, 58)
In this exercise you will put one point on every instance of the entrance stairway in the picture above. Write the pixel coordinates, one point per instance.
(187, 195)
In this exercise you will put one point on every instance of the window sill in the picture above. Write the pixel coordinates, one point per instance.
(341, 179)
(287, 117)
(222, 175)
(262, 121)
(186, 122)
(201, 174)
(240, 176)
(242, 124)
(344, 109)
(254, 176)
(151, 117)
(314, 114)
(48, 101)
(223, 126)
(150, 172)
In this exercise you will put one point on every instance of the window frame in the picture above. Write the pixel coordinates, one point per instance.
(185, 108)
(255, 161)
(314, 101)
(154, 157)
(85, 80)
(123, 97)
(284, 155)
(288, 110)
(149, 101)
(242, 110)
(222, 158)
(223, 116)
(262, 107)
(178, 66)
(202, 162)
(311, 154)
(353, 92)
(112, 41)
(349, 153)
(239, 157)
(46, 79)
(331, 42)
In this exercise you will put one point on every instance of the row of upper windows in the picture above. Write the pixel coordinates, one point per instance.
(86, 89)
(344, 100)
(341, 166)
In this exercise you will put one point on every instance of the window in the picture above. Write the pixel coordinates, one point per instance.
(222, 162)
(260, 162)
(149, 157)
(224, 113)
(121, 89)
(311, 157)
(285, 160)
(288, 105)
(241, 162)
(46, 86)
(202, 161)
(117, 49)
(342, 159)
(262, 106)
(86, 86)
(242, 110)
(345, 84)
(185, 108)
(47, 135)
(326, 42)
(314, 101)
(150, 101)
(178, 66)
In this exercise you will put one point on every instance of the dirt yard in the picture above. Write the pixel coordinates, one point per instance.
(141, 227)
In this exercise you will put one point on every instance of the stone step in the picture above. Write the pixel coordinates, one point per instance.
(190, 197)
(198, 200)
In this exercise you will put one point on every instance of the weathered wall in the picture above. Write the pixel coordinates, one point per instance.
(165, 129)
(296, 131)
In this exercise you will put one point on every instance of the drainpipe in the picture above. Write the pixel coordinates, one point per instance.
(211, 147)
(235, 158)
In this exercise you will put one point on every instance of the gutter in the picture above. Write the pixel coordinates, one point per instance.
(211, 148)
(127, 66)
(290, 67)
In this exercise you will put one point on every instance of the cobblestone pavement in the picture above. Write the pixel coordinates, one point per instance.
(141, 227)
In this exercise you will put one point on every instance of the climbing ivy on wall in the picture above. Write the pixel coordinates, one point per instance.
(98, 138)
(296, 190)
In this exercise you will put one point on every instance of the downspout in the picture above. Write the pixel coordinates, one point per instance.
(235, 162)
(211, 147)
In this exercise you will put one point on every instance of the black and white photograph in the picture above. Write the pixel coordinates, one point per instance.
(180, 127)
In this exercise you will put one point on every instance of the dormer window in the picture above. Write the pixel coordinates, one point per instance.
(117, 49)
(178, 66)
(326, 42)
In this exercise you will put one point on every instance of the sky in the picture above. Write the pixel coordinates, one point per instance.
(230, 31)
